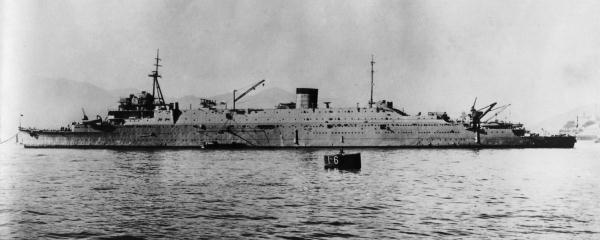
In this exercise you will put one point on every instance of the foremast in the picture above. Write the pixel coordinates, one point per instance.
(155, 84)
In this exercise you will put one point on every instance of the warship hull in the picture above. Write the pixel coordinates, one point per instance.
(211, 136)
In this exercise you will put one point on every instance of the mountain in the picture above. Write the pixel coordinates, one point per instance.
(50, 103)
(124, 92)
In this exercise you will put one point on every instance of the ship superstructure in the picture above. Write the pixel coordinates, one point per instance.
(145, 120)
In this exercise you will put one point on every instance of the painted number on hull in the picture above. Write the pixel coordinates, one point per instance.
(335, 160)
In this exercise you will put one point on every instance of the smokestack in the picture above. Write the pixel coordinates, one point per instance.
(306, 97)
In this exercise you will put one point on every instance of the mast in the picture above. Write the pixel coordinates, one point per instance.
(372, 73)
(155, 85)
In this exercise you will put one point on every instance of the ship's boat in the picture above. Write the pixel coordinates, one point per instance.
(146, 120)
(342, 160)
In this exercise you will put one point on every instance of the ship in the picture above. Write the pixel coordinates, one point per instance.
(588, 131)
(145, 120)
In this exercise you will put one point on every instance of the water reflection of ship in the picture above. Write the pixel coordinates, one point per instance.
(146, 120)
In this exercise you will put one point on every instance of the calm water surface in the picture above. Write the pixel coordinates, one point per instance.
(407, 193)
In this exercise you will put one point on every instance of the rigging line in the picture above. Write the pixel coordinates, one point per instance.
(13, 136)
(227, 129)
(266, 135)
(240, 137)
(224, 126)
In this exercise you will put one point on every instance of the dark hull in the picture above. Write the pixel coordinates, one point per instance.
(553, 141)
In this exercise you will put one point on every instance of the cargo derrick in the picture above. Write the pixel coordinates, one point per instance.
(479, 126)
(475, 116)
(235, 99)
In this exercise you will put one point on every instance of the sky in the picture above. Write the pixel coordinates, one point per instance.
(543, 57)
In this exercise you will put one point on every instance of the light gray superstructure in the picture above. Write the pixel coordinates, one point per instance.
(332, 127)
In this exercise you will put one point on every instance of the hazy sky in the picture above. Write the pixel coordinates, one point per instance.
(541, 56)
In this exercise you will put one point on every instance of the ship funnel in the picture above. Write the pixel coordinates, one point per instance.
(306, 97)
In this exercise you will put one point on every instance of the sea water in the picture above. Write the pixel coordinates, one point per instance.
(398, 193)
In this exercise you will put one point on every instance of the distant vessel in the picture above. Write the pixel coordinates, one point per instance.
(589, 130)
(145, 120)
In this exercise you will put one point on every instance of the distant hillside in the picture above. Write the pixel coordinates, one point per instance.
(50, 103)
(123, 92)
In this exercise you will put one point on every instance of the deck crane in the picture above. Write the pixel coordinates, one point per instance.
(235, 99)
(476, 115)
(500, 110)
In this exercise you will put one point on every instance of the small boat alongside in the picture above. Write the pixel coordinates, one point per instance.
(343, 160)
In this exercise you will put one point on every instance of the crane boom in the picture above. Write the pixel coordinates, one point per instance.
(489, 109)
(235, 99)
(500, 110)
(85, 117)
